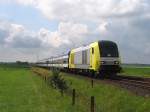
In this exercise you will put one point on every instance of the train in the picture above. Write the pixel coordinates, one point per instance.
(96, 59)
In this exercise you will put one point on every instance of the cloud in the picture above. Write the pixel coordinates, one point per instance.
(27, 2)
(74, 32)
(51, 39)
(16, 36)
(132, 37)
(83, 21)
(102, 27)
(3, 34)
(88, 10)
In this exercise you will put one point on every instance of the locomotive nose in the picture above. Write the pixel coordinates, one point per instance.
(109, 61)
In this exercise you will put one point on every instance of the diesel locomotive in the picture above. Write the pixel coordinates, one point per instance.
(98, 59)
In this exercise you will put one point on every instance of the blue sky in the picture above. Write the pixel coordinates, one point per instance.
(28, 16)
(31, 28)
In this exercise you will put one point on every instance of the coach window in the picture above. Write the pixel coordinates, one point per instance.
(92, 50)
(64, 61)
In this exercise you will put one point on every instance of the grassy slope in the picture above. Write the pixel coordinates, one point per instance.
(110, 98)
(22, 91)
(133, 71)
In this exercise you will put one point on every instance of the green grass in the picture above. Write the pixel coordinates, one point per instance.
(23, 91)
(13, 65)
(109, 98)
(133, 71)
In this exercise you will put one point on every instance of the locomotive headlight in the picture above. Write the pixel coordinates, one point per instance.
(102, 62)
(116, 62)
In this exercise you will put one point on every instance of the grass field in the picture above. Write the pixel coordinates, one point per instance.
(137, 71)
(110, 98)
(23, 91)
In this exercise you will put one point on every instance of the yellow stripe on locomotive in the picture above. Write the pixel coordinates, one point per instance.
(86, 57)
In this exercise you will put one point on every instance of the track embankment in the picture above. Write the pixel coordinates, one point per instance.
(138, 85)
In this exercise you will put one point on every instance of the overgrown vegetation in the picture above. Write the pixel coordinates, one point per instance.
(57, 81)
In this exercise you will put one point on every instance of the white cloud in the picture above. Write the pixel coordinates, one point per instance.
(66, 33)
(89, 10)
(18, 36)
(127, 6)
(84, 21)
(14, 30)
(51, 39)
(102, 27)
(27, 42)
(73, 31)
(27, 2)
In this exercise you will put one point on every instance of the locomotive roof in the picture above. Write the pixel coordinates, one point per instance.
(106, 41)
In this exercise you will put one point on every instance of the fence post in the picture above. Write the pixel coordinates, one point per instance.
(92, 83)
(73, 96)
(92, 103)
(45, 78)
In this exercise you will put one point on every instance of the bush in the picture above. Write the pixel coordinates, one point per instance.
(57, 81)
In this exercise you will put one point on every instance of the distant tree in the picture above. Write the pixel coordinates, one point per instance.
(22, 63)
(18, 62)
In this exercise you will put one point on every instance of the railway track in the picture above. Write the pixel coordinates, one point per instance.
(137, 85)
(140, 86)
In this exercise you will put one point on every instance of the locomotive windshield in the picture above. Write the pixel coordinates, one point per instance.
(108, 49)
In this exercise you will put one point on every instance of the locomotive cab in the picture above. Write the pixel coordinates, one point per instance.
(109, 57)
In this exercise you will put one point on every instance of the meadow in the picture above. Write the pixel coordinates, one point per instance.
(137, 71)
(21, 90)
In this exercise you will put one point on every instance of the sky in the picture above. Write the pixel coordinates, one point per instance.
(37, 29)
